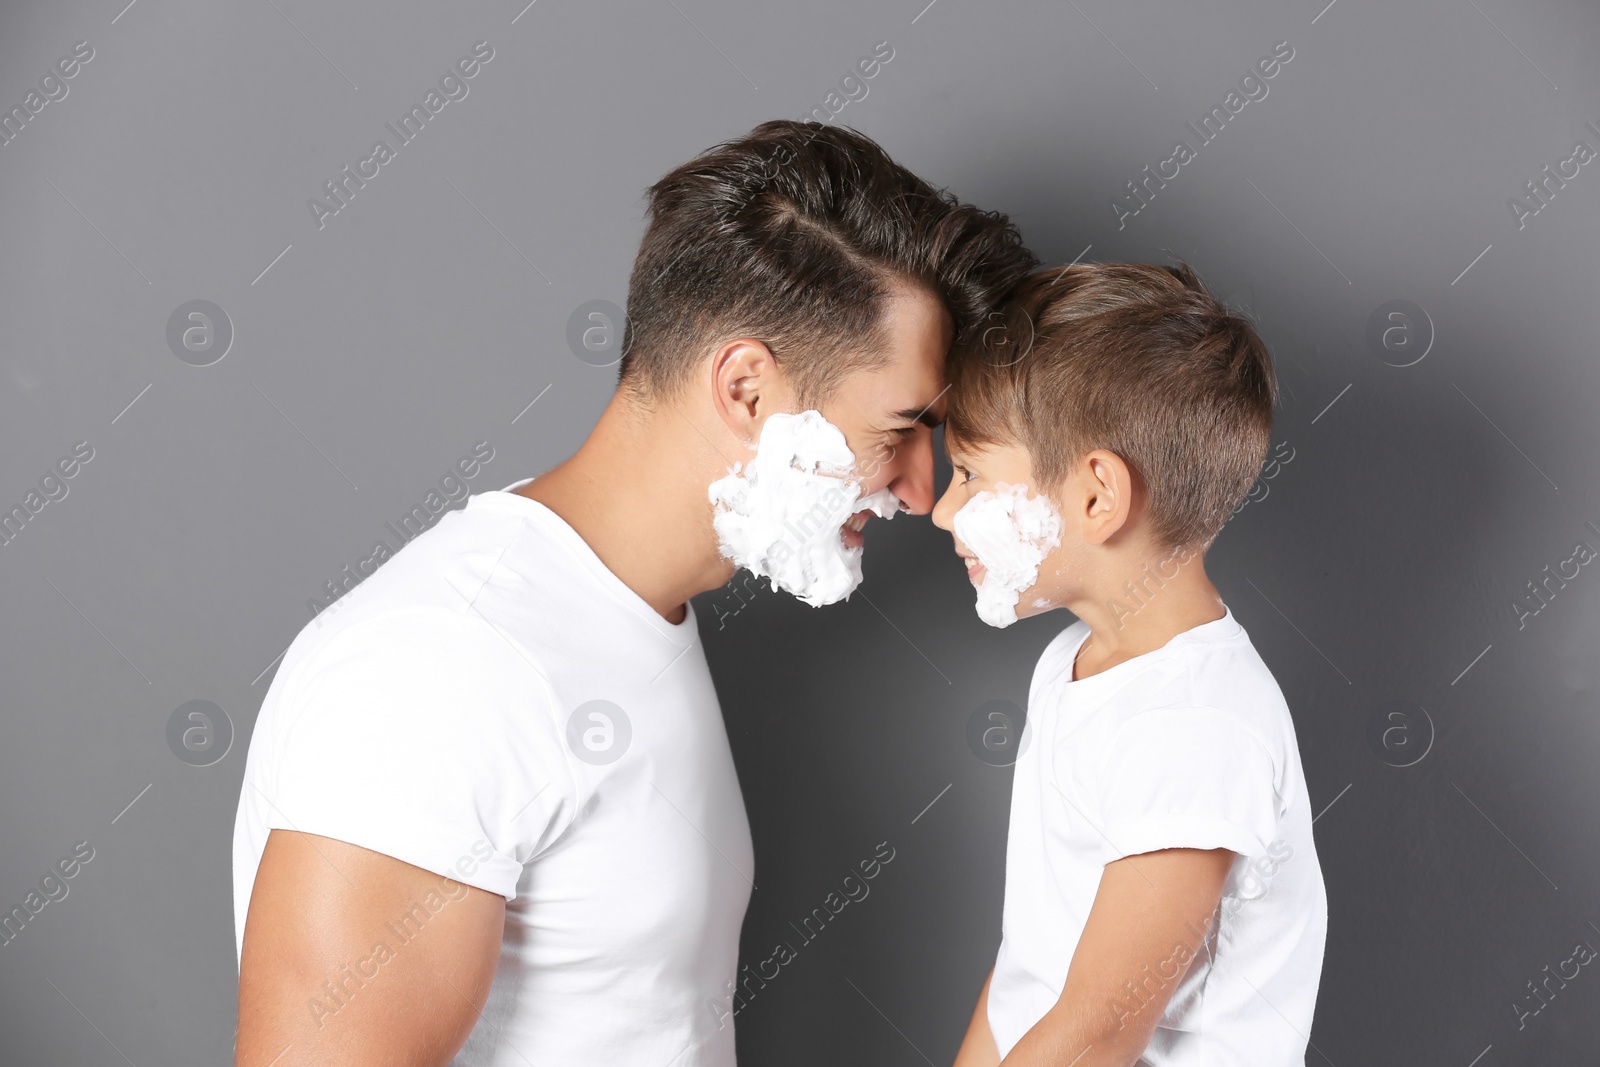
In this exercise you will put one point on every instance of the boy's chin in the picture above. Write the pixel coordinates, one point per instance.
(1030, 604)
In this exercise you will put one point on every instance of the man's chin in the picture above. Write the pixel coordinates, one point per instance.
(829, 584)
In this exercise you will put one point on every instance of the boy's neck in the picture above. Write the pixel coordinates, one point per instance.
(1140, 616)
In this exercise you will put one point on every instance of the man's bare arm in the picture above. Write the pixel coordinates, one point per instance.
(1148, 921)
(978, 1048)
(349, 958)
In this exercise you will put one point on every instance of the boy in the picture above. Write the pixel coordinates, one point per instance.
(1163, 900)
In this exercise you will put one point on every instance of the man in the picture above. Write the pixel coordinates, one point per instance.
(489, 813)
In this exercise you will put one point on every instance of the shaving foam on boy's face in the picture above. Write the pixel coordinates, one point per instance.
(1010, 533)
(793, 514)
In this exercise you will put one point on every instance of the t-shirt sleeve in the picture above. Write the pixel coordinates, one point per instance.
(425, 735)
(1192, 777)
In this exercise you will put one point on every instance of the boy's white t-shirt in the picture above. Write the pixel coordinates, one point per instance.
(495, 706)
(1187, 746)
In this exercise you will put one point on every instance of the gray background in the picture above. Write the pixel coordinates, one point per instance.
(1377, 570)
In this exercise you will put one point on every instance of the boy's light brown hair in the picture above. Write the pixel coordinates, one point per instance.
(1136, 358)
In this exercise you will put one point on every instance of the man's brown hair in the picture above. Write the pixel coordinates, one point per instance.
(797, 234)
(1136, 358)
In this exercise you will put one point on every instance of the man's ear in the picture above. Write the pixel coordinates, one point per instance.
(746, 387)
(1104, 493)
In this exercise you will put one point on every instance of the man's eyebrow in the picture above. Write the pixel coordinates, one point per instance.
(922, 415)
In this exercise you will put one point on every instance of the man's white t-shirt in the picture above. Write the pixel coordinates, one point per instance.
(495, 706)
(1188, 746)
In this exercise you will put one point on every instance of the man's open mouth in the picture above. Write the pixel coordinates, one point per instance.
(850, 532)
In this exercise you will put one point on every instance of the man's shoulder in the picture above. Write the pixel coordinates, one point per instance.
(431, 696)
(393, 628)
(434, 591)
(420, 662)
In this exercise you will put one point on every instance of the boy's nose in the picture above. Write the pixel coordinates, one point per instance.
(944, 514)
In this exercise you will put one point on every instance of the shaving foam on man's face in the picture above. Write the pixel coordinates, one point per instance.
(794, 513)
(1010, 534)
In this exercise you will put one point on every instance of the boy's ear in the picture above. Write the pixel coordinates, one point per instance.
(1104, 495)
(746, 387)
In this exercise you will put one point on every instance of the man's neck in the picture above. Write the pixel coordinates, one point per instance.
(636, 493)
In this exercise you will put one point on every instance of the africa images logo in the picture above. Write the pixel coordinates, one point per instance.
(1252, 86)
(451, 88)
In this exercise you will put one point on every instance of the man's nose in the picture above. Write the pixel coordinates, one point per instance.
(913, 479)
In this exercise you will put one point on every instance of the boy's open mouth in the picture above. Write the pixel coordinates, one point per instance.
(975, 569)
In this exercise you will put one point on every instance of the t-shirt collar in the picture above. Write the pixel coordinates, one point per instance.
(555, 527)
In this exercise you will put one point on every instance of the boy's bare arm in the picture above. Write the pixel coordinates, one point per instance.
(314, 987)
(1149, 918)
(978, 1048)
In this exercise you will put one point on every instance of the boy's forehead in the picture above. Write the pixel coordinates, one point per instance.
(957, 449)
(985, 451)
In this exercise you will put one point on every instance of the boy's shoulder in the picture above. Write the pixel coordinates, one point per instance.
(1063, 646)
(1055, 661)
(1222, 670)
(1213, 666)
